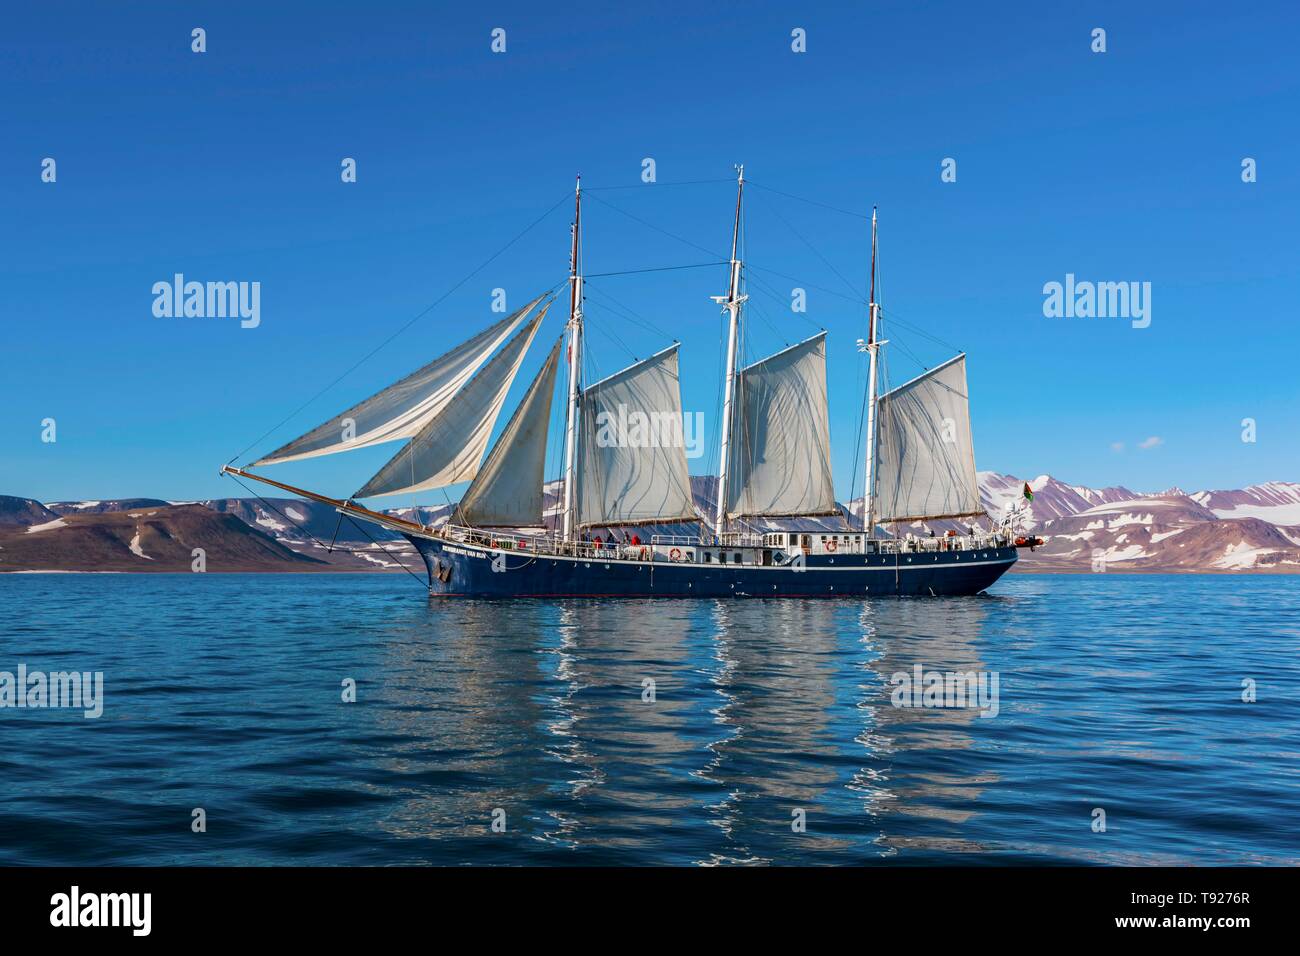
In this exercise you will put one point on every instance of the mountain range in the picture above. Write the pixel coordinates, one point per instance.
(1249, 529)
(1253, 529)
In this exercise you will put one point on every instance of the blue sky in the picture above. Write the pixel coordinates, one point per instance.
(1122, 166)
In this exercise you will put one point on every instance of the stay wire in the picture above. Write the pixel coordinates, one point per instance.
(483, 265)
(683, 182)
(649, 225)
(852, 298)
(321, 543)
(815, 251)
(616, 306)
(633, 272)
(811, 202)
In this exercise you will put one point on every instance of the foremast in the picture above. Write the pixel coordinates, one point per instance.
(575, 366)
(731, 303)
(873, 350)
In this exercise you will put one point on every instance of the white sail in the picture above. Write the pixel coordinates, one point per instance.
(633, 453)
(780, 462)
(925, 458)
(449, 448)
(508, 489)
(402, 409)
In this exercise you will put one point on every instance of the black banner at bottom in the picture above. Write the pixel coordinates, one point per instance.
(337, 905)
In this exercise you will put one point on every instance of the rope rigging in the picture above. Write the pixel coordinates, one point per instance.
(773, 321)
(642, 185)
(633, 272)
(425, 311)
(331, 546)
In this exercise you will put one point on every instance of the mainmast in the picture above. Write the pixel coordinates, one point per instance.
(873, 348)
(575, 365)
(731, 303)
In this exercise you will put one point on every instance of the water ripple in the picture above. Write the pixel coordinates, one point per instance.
(694, 733)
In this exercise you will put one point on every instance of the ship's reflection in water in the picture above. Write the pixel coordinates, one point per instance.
(753, 732)
(681, 732)
(932, 772)
(685, 732)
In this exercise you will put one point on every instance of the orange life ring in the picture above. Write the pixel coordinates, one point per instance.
(675, 554)
(831, 545)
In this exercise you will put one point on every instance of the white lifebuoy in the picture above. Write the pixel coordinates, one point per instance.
(831, 545)
(675, 554)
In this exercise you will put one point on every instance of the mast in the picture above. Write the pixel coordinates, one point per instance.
(873, 348)
(575, 365)
(731, 303)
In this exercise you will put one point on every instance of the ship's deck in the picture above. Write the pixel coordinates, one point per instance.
(759, 550)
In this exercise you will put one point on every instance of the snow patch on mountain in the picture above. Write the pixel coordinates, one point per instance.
(48, 526)
(135, 547)
(1277, 502)
(1240, 556)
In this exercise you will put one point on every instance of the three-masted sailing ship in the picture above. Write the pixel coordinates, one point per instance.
(774, 469)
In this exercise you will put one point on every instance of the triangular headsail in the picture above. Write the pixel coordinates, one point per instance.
(633, 466)
(780, 462)
(507, 493)
(402, 409)
(926, 456)
(449, 448)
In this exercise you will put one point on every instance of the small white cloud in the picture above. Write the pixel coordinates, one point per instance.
(1117, 446)
(1151, 442)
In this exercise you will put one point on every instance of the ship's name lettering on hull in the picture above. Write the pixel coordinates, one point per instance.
(452, 549)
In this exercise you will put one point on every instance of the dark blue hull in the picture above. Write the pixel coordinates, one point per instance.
(457, 569)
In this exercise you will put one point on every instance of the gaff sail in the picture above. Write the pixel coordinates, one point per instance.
(780, 463)
(633, 462)
(926, 455)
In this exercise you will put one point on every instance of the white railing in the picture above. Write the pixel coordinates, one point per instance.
(552, 543)
(547, 543)
(927, 545)
(677, 540)
(741, 539)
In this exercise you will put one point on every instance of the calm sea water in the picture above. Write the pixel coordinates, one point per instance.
(224, 692)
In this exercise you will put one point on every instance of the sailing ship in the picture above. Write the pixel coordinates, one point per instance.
(774, 469)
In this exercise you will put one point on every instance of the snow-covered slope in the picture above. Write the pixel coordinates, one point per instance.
(1087, 529)
(1277, 502)
(1250, 529)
